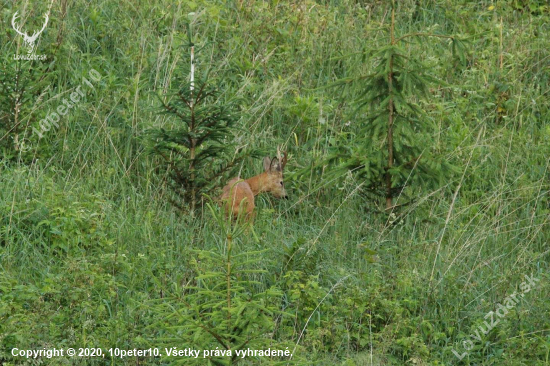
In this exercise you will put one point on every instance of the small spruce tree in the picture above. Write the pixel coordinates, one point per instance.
(393, 147)
(22, 87)
(195, 151)
(227, 309)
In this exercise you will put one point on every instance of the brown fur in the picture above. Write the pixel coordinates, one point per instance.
(238, 195)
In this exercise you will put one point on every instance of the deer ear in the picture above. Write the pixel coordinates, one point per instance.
(267, 163)
(276, 165)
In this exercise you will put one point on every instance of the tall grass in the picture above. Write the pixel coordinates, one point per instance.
(88, 240)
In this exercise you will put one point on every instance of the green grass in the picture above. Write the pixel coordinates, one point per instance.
(91, 249)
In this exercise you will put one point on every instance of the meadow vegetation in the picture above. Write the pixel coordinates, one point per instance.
(374, 260)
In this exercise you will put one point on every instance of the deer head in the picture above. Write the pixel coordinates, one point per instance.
(274, 171)
(29, 40)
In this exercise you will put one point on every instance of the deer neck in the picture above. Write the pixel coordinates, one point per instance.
(257, 183)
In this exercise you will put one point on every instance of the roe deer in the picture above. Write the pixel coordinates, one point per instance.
(238, 194)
